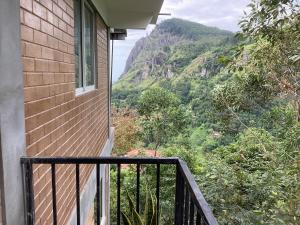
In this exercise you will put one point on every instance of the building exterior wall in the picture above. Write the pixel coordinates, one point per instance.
(57, 122)
(12, 126)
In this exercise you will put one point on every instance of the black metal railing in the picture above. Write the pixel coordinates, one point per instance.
(190, 206)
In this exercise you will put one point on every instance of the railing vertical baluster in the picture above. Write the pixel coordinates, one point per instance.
(138, 168)
(30, 213)
(190, 205)
(78, 193)
(54, 211)
(186, 205)
(118, 195)
(179, 197)
(157, 190)
(191, 212)
(98, 194)
(198, 219)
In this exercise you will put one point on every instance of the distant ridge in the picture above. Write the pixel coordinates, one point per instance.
(170, 32)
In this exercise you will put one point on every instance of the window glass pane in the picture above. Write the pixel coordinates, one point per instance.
(88, 43)
(77, 30)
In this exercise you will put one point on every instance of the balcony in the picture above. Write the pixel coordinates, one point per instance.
(190, 206)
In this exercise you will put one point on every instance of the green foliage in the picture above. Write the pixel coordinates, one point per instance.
(246, 181)
(122, 97)
(162, 116)
(189, 29)
(190, 156)
(204, 139)
(127, 131)
(279, 119)
(273, 27)
(150, 211)
(230, 108)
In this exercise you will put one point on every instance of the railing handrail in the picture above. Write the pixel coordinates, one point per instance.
(197, 194)
(185, 175)
(99, 160)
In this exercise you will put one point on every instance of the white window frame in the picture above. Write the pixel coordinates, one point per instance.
(84, 88)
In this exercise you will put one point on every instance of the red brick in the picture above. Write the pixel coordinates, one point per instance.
(68, 58)
(65, 68)
(36, 135)
(58, 33)
(62, 46)
(62, 24)
(47, 3)
(53, 66)
(32, 20)
(47, 27)
(69, 77)
(70, 30)
(39, 10)
(40, 38)
(57, 10)
(30, 124)
(39, 106)
(26, 33)
(70, 4)
(59, 99)
(26, 4)
(48, 78)
(33, 50)
(68, 39)
(22, 16)
(47, 53)
(28, 64)
(42, 92)
(62, 5)
(70, 11)
(59, 78)
(34, 79)
(41, 65)
(29, 94)
(67, 18)
(58, 56)
(50, 17)
(52, 42)
(63, 124)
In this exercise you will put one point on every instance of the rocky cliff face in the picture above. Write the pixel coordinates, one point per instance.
(138, 47)
(174, 47)
(156, 40)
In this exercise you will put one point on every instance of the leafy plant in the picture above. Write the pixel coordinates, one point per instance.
(127, 130)
(162, 115)
(150, 211)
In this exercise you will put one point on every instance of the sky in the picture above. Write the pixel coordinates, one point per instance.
(223, 14)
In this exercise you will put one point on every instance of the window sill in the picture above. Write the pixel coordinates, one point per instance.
(85, 90)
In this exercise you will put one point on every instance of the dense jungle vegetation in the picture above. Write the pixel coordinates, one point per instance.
(226, 103)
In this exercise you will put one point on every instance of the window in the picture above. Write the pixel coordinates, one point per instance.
(84, 19)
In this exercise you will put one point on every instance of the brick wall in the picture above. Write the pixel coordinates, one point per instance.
(59, 123)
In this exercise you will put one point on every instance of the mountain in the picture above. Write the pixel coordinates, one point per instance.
(175, 48)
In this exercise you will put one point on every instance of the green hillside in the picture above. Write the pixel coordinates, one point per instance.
(230, 109)
(174, 49)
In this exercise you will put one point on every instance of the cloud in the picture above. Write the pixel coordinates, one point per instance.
(223, 14)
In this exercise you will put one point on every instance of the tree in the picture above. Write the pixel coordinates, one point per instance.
(254, 180)
(274, 57)
(127, 130)
(162, 116)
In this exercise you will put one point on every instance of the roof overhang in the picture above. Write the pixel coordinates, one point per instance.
(129, 14)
